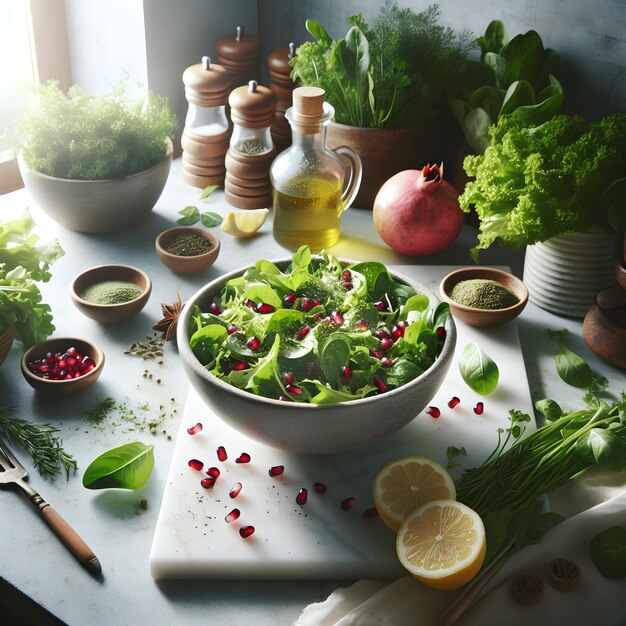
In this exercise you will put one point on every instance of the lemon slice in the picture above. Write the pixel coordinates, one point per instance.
(442, 544)
(244, 223)
(405, 484)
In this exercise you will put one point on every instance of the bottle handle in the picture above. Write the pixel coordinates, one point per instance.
(355, 172)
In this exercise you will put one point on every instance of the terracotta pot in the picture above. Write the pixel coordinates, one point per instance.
(384, 152)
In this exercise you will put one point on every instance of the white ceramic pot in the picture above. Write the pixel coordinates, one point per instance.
(98, 206)
(564, 273)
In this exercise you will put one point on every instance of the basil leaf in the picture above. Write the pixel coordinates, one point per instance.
(604, 447)
(211, 219)
(549, 409)
(478, 369)
(207, 191)
(608, 552)
(190, 214)
(496, 531)
(572, 369)
(126, 467)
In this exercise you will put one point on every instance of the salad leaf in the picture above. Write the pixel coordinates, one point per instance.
(310, 338)
(207, 191)
(126, 467)
(210, 219)
(190, 216)
(608, 552)
(478, 369)
(569, 366)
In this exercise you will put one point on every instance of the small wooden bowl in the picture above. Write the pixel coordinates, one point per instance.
(484, 317)
(61, 344)
(186, 264)
(111, 313)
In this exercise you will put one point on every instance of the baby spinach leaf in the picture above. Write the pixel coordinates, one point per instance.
(608, 552)
(478, 369)
(126, 467)
(210, 219)
(207, 191)
(206, 341)
(572, 369)
(263, 293)
(190, 216)
(334, 355)
(302, 258)
(549, 409)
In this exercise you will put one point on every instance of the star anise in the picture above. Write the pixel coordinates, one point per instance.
(171, 312)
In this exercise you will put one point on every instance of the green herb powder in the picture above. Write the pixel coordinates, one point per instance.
(482, 293)
(111, 292)
(189, 244)
(250, 146)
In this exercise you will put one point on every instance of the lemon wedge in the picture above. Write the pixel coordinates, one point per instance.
(442, 544)
(244, 223)
(405, 484)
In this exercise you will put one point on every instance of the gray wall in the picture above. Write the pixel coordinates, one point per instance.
(590, 35)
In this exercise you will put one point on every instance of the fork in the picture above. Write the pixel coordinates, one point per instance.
(12, 472)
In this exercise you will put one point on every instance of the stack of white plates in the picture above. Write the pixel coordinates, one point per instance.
(564, 273)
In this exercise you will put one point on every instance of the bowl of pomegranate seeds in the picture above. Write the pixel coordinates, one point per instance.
(62, 365)
(314, 354)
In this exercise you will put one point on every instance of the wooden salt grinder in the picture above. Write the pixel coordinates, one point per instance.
(207, 132)
(247, 184)
(282, 85)
(240, 54)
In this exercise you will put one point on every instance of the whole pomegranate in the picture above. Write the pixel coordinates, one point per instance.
(417, 213)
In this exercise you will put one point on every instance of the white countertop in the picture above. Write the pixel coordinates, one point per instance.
(112, 522)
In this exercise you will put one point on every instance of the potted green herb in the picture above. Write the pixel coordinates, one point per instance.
(95, 163)
(388, 83)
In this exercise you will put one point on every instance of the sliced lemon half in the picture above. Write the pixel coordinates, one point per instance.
(405, 484)
(442, 544)
(244, 223)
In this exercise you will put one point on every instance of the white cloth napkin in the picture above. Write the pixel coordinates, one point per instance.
(408, 602)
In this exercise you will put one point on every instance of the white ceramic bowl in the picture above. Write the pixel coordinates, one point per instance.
(309, 428)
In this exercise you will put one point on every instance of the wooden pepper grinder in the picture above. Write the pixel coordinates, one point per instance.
(282, 85)
(207, 132)
(240, 54)
(251, 151)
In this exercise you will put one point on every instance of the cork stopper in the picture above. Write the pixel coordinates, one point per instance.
(252, 105)
(206, 84)
(308, 103)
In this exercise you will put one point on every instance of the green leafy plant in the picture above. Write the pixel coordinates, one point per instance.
(478, 369)
(191, 214)
(339, 326)
(126, 467)
(608, 552)
(24, 261)
(398, 73)
(93, 137)
(512, 78)
(533, 183)
(570, 367)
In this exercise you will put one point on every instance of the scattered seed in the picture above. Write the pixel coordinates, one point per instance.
(221, 454)
(208, 483)
(479, 408)
(348, 503)
(233, 515)
(276, 470)
(320, 487)
(370, 513)
(213, 472)
(246, 531)
(244, 457)
(195, 429)
(433, 411)
(454, 401)
(195, 464)
(235, 491)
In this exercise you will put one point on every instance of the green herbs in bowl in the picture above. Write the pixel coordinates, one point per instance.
(312, 354)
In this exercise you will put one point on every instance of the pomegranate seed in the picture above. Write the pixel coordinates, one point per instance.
(195, 429)
(441, 332)
(288, 378)
(208, 483)
(250, 304)
(71, 362)
(263, 307)
(61, 364)
(276, 470)
(346, 372)
(380, 333)
(398, 331)
(317, 315)
(221, 454)
(296, 391)
(362, 324)
(385, 361)
(376, 354)
(302, 496)
(231, 328)
(246, 531)
(380, 305)
(346, 276)
(454, 401)
(244, 457)
(233, 515)
(433, 411)
(303, 332)
(213, 472)
(479, 408)
(379, 383)
(346, 285)
(317, 302)
(89, 368)
(348, 503)
(370, 513)
(235, 491)
(254, 343)
(195, 464)
(306, 304)
(50, 358)
(214, 309)
(337, 318)
(320, 487)
(386, 343)
(240, 365)
(72, 351)
(290, 298)
(68, 377)
(43, 369)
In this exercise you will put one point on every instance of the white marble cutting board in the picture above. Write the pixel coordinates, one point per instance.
(318, 540)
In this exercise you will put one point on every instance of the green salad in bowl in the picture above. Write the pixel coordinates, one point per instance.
(317, 331)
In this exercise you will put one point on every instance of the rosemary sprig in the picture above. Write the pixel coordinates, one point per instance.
(39, 442)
